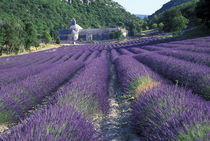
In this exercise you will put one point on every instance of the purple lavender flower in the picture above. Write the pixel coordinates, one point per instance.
(171, 113)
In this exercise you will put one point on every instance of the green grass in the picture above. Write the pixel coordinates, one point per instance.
(142, 84)
(195, 133)
(5, 116)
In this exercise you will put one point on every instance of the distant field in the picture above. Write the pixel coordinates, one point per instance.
(142, 89)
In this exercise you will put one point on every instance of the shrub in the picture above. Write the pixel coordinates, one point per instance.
(170, 113)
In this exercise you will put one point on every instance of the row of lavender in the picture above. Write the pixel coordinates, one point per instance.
(185, 68)
(35, 58)
(86, 94)
(17, 98)
(23, 88)
(193, 76)
(161, 111)
(67, 117)
(131, 43)
(40, 57)
(11, 73)
(188, 45)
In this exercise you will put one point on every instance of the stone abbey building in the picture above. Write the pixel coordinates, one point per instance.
(76, 32)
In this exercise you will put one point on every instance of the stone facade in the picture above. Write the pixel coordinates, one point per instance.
(75, 32)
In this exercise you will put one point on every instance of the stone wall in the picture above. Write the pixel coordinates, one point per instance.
(75, 32)
(96, 34)
(91, 34)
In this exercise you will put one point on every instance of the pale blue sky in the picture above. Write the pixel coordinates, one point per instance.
(146, 7)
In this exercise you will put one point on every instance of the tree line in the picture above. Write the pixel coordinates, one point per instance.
(25, 23)
(193, 13)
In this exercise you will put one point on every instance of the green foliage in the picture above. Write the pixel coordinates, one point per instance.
(116, 35)
(173, 21)
(30, 36)
(58, 41)
(46, 37)
(12, 31)
(5, 116)
(203, 12)
(160, 27)
(195, 132)
(147, 27)
(171, 4)
(145, 23)
(154, 26)
(186, 7)
(52, 15)
(198, 31)
(179, 23)
(1, 42)
(119, 34)
(140, 30)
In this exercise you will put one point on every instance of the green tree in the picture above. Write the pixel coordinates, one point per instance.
(173, 21)
(119, 34)
(116, 34)
(154, 19)
(30, 36)
(140, 29)
(203, 12)
(1, 42)
(154, 26)
(46, 37)
(179, 23)
(133, 29)
(147, 27)
(58, 41)
(52, 15)
(145, 24)
(13, 34)
(160, 27)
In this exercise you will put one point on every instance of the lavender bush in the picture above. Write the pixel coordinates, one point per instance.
(84, 56)
(195, 49)
(21, 73)
(60, 123)
(88, 92)
(137, 50)
(125, 52)
(93, 55)
(134, 76)
(194, 76)
(199, 58)
(19, 97)
(114, 54)
(171, 113)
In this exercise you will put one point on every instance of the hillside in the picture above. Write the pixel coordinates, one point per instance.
(57, 14)
(170, 4)
(51, 15)
(185, 9)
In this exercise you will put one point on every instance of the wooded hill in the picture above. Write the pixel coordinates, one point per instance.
(169, 5)
(46, 17)
(192, 16)
(186, 7)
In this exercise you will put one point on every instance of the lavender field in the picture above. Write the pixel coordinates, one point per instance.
(140, 90)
